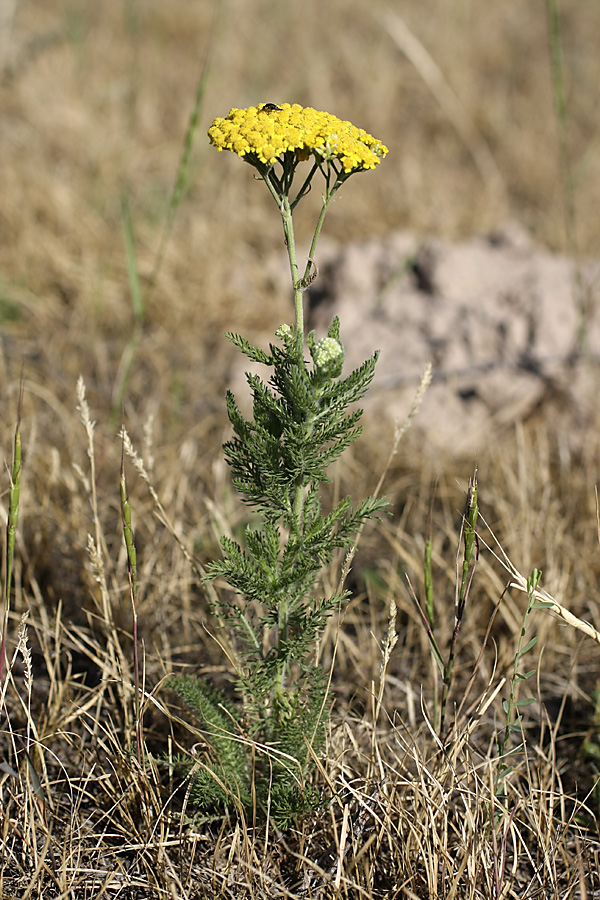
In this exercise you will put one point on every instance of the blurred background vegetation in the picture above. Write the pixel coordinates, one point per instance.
(95, 101)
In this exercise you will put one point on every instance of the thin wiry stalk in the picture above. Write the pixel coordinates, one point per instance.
(132, 576)
(115, 665)
(11, 529)
(464, 580)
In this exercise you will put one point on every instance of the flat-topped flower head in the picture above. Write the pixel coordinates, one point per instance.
(266, 132)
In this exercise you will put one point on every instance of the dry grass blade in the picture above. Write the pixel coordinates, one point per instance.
(547, 602)
(414, 50)
(544, 599)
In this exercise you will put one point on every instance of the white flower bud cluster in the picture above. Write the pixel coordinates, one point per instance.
(328, 357)
(284, 333)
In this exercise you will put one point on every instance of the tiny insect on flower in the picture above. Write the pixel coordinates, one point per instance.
(297, 132)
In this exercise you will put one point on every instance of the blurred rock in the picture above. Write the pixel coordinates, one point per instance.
(499, 318)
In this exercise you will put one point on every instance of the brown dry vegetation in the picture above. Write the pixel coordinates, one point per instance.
(94, 103)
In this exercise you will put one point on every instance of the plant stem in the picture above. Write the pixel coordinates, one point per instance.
(299, 286)
(279, 188)
(11, 528)
(290, 242)
(470, 557)
(132, 573)
(313, 247)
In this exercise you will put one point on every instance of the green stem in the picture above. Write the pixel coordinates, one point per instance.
(11, 529)
(290, 242)
(305, 187)
(313, 246)
(470, 557)
(299, 286)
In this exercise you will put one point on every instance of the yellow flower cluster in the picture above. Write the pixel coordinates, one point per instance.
(266, 131)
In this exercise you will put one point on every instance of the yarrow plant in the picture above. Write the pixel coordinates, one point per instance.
(263, 753)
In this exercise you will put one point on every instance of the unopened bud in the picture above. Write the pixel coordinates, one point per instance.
(328, 357)
(284, 333)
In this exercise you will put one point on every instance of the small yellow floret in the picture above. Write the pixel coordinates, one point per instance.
(268, 133)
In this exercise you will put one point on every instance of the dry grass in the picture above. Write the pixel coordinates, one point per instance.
(95, 100)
